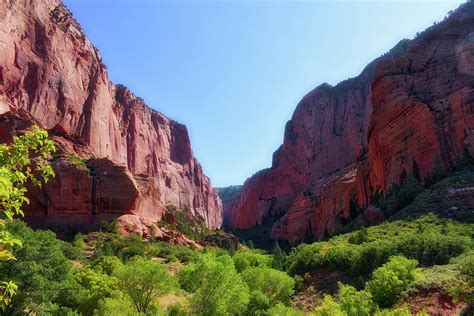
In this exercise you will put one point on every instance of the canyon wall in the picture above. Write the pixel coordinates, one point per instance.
(348, 142)
(116, 155)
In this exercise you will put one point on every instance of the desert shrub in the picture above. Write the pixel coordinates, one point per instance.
(215, 286)
(391, 279)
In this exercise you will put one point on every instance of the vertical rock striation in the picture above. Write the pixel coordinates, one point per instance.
(348, 142)
(138, 159)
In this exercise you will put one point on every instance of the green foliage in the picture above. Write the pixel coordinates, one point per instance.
(71, 251)
(402, 195)
(24, 161)
(329, 307)
(391, 279)
(170, 252)
(40, 269)
(216, 287)
(247, 259)
(94, 286)
(78, 162)
(109, 226)
(107, 264)
(277, 286)
(282, 310)
(355, 303)
(428, 239)
(401, 311)
(143, 281)
(279, 257)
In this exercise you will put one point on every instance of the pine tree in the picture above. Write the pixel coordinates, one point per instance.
(466, 157)
(416, 171)
(250, 244)
(279, 257)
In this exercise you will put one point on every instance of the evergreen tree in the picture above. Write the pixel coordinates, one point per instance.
(279, 257)
(250, 244)
(416, 171)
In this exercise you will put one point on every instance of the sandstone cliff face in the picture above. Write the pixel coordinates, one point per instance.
(348, 142)
(139, 160)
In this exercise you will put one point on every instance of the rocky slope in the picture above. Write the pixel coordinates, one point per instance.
(348, 142)
(117, 156)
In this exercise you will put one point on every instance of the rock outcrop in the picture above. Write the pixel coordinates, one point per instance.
(116, 155)
(346, 143)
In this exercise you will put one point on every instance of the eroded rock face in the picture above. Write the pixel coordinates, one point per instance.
(51, 75)
(346, 143)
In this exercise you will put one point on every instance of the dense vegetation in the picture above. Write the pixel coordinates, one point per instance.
(104, 273)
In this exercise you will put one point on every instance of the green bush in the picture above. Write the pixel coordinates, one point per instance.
(215, 285)
(329, 307)
(427, 239)
(247, 259)
(391, 279)
(143, 281)
(40, 269)
(355, 303)
(277, 286)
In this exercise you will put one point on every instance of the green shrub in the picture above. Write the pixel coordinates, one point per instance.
(40, 269)
(215, 286)
(143, 281)
(329, 307)
(247, 259)
(391, 279)
(282, 310)
(277, 286)
(355, 303)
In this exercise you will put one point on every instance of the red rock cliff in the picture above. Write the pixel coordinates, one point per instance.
(138, 159)
(345, 143)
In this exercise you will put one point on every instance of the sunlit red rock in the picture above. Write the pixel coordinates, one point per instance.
(51, 75)
(346, 143)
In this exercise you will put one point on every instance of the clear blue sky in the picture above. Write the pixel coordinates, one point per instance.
(233, 71)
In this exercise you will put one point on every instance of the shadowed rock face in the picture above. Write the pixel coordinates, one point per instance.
(140, 160)
(348, 142)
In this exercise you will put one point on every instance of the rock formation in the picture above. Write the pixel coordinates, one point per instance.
(348, 142)
(116, 155)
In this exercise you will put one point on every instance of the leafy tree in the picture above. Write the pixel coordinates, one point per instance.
(216, 287)
(277, 286)
(95, 286)
(247, 259)
(40, 269)
(355, 303)
(24, 161)
(143, 280)
(391, 279)
(329, 307)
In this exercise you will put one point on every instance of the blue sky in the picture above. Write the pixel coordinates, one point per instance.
(234, 71)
